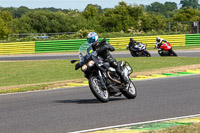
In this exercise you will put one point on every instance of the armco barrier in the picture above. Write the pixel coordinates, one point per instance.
(17, 48)
(59, 45)
(192, 39)
(73, 45)
(175, 40)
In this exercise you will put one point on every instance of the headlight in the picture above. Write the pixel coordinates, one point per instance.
(84, 68)
(91, 63)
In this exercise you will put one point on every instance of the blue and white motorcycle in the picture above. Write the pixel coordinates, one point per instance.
(139, 50)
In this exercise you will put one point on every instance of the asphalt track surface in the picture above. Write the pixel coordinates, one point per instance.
(188, 53)
(74, 109)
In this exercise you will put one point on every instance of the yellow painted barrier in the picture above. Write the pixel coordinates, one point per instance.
(149, 41)
(144, 77)
(158, 76)
(76, 84)
(17, 48)
(193, 71)
(85, 82)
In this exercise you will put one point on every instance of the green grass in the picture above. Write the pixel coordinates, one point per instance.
(193, 128)
(30, 72)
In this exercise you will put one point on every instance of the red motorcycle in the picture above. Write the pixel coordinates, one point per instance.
(166, 50)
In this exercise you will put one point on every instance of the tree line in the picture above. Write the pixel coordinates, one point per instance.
(124, 17)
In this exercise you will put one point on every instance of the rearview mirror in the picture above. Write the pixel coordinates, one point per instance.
(73, 61)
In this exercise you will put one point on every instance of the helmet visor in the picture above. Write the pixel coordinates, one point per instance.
(90, 40)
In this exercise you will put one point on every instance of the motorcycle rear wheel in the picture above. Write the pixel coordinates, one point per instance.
(95, 86)
(131, 92)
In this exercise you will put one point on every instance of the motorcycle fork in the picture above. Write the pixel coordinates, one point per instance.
(101, 78)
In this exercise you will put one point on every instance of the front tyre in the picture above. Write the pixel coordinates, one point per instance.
(147, 54)
(133, 54)
(95, 86)
(131, 92)
(173, 53)
(160, 52)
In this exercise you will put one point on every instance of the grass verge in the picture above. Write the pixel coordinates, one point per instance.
(37, 75)
(193, 128)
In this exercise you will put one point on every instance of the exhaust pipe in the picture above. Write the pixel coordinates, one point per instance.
(114, 80)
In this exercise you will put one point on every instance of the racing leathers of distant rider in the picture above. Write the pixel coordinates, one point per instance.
(159, 42)
(132, 44)
(103, 49)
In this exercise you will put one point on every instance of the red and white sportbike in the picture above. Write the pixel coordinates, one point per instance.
(166, 50)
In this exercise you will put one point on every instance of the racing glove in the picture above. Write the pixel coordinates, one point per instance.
(77, 66)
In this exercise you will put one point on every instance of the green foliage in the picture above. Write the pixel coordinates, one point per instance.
(190, 3)
(156, 7)
(186, 14)
(166, 9)
(81, 34)
(91, 11)
(123, 18)
(5, 24)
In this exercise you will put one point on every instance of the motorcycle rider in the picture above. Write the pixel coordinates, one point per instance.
(159, 42)
(103, 49)
(132, 44)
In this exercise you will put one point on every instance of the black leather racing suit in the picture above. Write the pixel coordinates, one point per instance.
(132, 44)
(103, 49)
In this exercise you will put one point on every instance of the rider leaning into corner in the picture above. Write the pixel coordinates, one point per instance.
(103, 49)
(132, 43)
(159, 42)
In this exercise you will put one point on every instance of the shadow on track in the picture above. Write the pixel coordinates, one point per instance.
(87, 101)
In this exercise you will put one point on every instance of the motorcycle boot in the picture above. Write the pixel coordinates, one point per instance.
(118, 70)
(122, 76)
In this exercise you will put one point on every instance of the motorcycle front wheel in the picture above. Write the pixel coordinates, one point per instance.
(160, 52)
(131, 91)
(173, 53)
(133, 54)
(96, 88)
(147, 54)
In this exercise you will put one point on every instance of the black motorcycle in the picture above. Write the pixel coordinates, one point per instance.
(139, 50)
(102, 77)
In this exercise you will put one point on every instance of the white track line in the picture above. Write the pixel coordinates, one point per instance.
(132, 124)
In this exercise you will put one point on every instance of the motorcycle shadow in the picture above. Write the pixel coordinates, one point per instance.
(87, 101)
